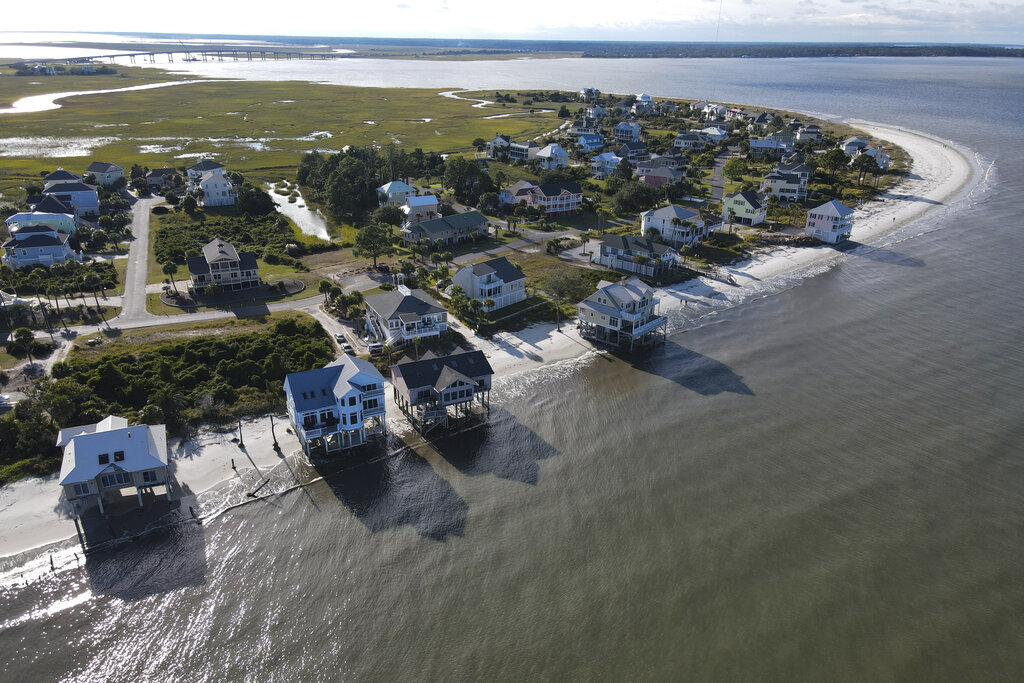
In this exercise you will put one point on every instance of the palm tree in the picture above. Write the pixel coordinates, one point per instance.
(435, 258)
(93, 282)
(170, 269)
(447, 256)
(388, 350)
(52, 291)
(676, 223)
(475, 307)
(488, 304)
(23, 336)
(325, 289)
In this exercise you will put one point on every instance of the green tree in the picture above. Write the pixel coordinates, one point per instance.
(169, 269)
(735, 169)
(565, 285)
(373, 241)
(325, 287)
(833, 160)
(23, 337)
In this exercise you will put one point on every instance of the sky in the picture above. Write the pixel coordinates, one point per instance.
(933, 21)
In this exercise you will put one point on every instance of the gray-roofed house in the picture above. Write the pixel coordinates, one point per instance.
(105, 172)
(201, 168)
(621, 313)
(160, 177)
(110, 456)
(523, 151)
(433, 389)
(788, 187)
(403, 315)
(60, 176)
(221, 264)
(628, 131)
(635, 254)
(82, 198)
(747, 208)
(497, 280)
(395, 192)
(336, 407)
(634, 152)
(831, 222)
(217, 189)
(449, 229)
(675, 225)
(37, 245)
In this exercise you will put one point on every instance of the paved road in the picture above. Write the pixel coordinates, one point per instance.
(717, 179)
(133, 303)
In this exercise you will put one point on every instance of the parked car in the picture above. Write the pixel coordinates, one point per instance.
(347, 348)
(340, 338)
(383, 267)
(376, 349)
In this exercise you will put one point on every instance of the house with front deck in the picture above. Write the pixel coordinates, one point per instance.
(106, 173)
(635, 254)
(634, 152)
(448, 229)
(746, 208)
(628, 131)
(788, 187)
(37, 245)
(523, 151)
(100, 460)
(403, 315)
(585, 126)
(433, 390)
(768, 148)
(604, 165)
(496, 279)
(554, 199)
(396, 192)
(222, 265)
(831, 222)
(162, 177)
(853, 145)
(596, 111)
(498, 146)
(675, 225)
(336, 407)
(623, 313)
(691, 140)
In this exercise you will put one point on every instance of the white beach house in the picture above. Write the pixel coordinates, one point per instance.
(675, 225)
(110, 456)
(621, 313)
(497, 280)
(403, 315)
(831, 222)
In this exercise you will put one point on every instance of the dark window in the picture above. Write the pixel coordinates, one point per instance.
(353, 418)
(351, 400)
(104, 458)
(118, 456)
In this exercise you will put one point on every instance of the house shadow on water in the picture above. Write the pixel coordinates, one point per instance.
(401, 488)
(501, 445)
(691, 370)
(879, 254)
(158, 561)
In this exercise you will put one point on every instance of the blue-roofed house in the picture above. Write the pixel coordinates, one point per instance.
(395, 192)
(590, 142)
(832, 222)
(76, 194)
(336, 407)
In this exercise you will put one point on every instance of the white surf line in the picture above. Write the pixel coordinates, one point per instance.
(48, 102)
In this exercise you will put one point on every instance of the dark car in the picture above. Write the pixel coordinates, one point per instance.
(383, 267)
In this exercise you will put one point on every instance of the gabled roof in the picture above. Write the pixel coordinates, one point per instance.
(622, 292)
(632, 146)
(320, 387)
(396, 186)
(205, 165)
(458, 221)
(628, 124)
(394, 304)
(50, 204)
(421, 200)
(160, 172)
(635, 243)
(68, 186)
(555, 189)
(103, 167)
(753, 199)
(219, 250)
(429, 372)
(788, 178)
(667, 213)
(35, 230)
(554, 149)
(499, 266)
(60, 175)
(607, 156)
(38, 240)
(591, 138)
(795, 167)
(833, 208)
(144, 448)
(211, 175)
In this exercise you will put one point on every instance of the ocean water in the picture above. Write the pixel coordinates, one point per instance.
(821, 481)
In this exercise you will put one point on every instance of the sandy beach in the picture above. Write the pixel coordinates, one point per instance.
(35, 514)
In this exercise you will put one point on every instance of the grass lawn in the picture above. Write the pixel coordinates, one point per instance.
(157, 307)
(7, 360)
(137, 340)
(121, 268)
(536, 266)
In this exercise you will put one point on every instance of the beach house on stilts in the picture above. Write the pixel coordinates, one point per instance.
(336, 407)
(434, 390)
(623, 313)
